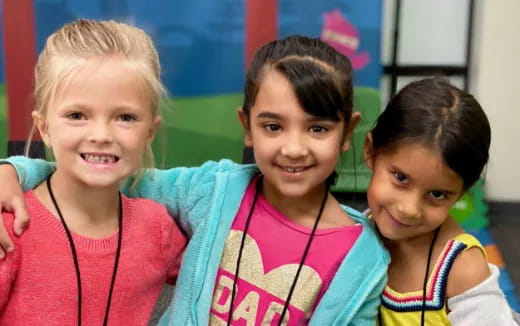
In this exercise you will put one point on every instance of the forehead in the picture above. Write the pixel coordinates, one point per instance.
(423, 165)
(105, 78)
(90, 71)
(275, 90)
(276, 95)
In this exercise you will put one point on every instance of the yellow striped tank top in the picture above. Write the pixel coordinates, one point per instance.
(398, 309)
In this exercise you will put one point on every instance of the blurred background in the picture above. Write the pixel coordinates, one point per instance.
(205, 47)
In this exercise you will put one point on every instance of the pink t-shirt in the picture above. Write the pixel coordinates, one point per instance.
(272, 252)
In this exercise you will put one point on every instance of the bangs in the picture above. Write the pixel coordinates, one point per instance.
(316, 88)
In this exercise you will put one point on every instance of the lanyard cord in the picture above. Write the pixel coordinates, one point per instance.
(430, 252)
(75, 255)
(300, 266)
(425, 282)
(233, 292)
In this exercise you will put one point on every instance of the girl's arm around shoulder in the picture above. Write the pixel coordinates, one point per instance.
(9, 264)
(179, 189)
(474, 295)
(31, 172)
(173, 244)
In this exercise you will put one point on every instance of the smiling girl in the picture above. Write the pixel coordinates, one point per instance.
(427, 148)
(91, 255)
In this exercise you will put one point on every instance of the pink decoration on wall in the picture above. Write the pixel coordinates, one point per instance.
(339, 33)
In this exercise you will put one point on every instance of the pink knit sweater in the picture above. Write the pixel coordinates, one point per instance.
(38, 280)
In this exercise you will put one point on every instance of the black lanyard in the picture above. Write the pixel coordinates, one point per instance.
(425, 281)
(304, 256)
(75, 255)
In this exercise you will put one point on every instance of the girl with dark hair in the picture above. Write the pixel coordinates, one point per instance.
(427, 148)
(269, 244)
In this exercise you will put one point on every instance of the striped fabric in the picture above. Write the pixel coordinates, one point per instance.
(436, 286)
(405, 308)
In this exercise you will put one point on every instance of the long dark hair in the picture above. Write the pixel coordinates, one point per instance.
(434, 113)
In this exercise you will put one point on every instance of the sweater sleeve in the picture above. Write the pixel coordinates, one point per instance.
(179, 189)
(31, 172)
(367, 314)
(485, 304)
(173, 244)
(8, 265)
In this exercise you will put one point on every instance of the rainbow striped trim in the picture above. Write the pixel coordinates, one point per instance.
(436, 287)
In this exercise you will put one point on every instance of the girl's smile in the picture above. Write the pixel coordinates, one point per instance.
(103, 159)
(100, 161)
(397, 223)
(294, 172)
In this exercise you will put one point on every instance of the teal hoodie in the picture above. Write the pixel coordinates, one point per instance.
(205, 201)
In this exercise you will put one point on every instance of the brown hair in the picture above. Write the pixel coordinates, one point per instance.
(434, 113)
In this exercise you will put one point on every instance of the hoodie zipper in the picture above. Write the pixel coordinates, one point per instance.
(196, 269)
(369, 290)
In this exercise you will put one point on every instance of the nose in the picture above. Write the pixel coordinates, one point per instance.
(410, 206)
(100, 132)
(294, 146)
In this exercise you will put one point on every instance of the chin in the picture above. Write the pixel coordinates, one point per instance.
(391, 236)
(385, 233)
(293, 191)
(100, 182)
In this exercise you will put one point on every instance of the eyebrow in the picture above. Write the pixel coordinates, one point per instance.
(272, 115)
(85, 107)
(76, 106)
(268, 115)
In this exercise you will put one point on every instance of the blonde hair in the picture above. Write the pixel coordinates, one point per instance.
(67, 50)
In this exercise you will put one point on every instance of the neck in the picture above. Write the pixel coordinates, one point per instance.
(406, 247)
(96, 203)
(89, 211)
(301, 209)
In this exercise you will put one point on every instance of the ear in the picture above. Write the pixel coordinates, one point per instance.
(244, 121)
(349, 130)
(368, 152)
(43, 128)
(153, 128)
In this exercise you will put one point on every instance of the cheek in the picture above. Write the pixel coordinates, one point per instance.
(372, 197)
(62, 138)
(377, 182)
(54, 131)
(66, 133)
(437, 215)
(329, 152)
(264, 147)
(379, 191)
(135, 142)
(335, 153)
(261, 154)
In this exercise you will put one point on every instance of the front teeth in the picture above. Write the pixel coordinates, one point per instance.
(100, 158)
(293, 170)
